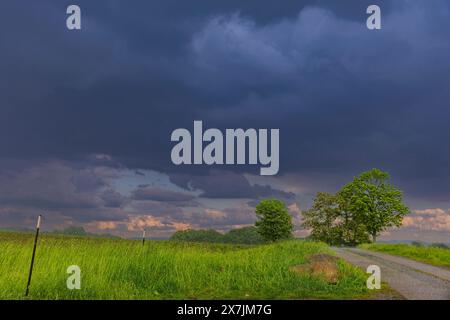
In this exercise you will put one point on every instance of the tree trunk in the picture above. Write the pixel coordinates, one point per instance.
(374, 237)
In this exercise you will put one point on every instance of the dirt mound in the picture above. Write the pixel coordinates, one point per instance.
(320, 265)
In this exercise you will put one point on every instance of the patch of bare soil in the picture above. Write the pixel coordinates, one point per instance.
(320, 265)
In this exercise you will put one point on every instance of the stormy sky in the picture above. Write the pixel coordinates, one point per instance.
(86, 115)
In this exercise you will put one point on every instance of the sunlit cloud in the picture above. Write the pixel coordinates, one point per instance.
(435, 219)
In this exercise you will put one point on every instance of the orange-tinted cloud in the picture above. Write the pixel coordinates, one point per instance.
(435, 219)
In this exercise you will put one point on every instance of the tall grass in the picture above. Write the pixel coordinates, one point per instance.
(124, 269)
(431, 255)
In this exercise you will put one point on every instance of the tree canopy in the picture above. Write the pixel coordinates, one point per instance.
(274, 222)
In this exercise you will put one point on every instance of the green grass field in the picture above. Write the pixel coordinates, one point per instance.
(431, 255)
(124, 269)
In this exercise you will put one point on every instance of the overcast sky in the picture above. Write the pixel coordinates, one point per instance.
(86, 115)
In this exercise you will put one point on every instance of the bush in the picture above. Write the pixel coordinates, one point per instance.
(246, 235)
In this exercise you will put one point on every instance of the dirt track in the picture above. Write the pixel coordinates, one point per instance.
(411, 279)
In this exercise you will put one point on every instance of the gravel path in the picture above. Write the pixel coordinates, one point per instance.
(413, 280)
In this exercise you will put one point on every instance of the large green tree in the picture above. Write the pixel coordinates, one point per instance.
(274, 222)
(374, 202)
(361, 209)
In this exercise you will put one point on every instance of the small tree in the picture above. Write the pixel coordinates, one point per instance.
(374, 202)
(274, 222)
(321, 219)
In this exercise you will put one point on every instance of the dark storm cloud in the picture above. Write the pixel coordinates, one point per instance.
(157, 209)
(124, 82)
(345, 99)
(113, 199)
(51, 185)
(222, 184)
(63, 192)
(228, 218)
(158, 194)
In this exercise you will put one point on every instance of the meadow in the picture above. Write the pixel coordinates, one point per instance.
(431, 255)
(125, 269)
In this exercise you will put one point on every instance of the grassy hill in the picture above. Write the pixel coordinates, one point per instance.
(124, 269)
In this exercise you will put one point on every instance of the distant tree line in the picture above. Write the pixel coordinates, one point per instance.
(245, 235)
(80, 232)
(433, 245)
